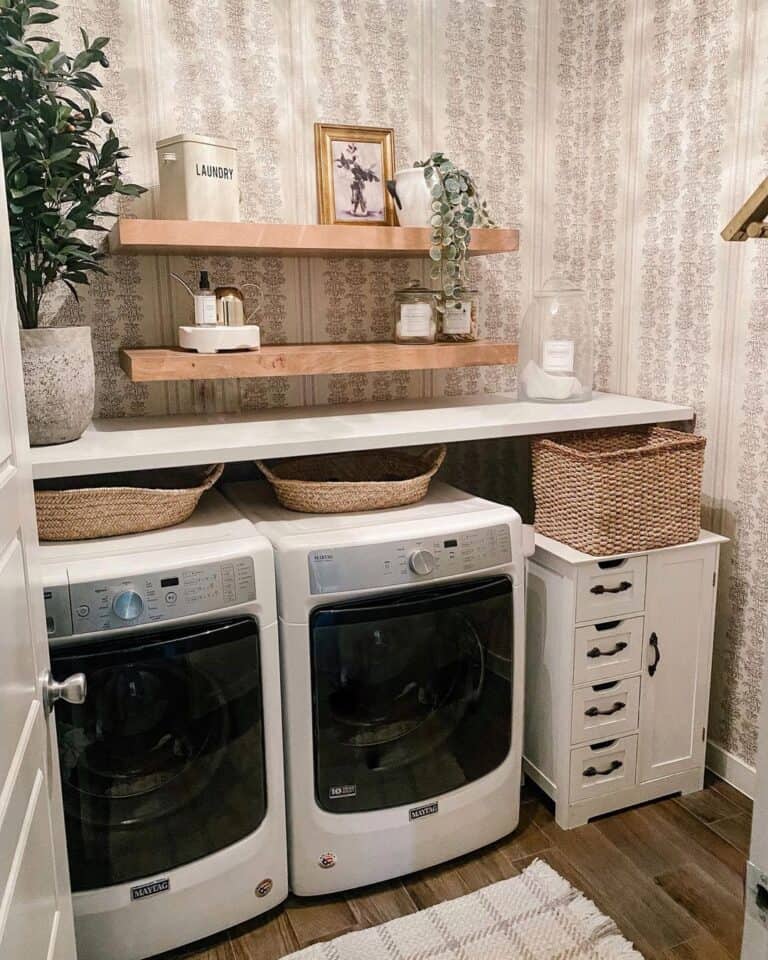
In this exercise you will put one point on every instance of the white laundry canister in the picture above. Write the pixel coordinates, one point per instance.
(198, 179)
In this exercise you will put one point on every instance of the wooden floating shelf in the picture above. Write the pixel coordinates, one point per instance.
(295, 360)
(288, 239)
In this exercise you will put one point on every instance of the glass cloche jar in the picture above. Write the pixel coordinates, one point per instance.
(555, 364)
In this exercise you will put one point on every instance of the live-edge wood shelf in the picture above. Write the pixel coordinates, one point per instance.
(165, 363)
(289, 239)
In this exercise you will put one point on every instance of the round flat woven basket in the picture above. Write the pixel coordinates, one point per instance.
(115, 504)
(350, 482)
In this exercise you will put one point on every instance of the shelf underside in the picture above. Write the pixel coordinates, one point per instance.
(289, 239)
(295, 360)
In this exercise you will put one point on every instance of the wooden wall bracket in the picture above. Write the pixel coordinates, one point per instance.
(749, 221)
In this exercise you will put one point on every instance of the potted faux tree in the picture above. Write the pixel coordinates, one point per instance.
(62, 164)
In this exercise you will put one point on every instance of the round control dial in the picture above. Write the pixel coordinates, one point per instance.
(128, 605)
(421, 562)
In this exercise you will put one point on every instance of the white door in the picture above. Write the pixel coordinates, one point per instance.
(680, 608)
(35, 903)
(755, 943)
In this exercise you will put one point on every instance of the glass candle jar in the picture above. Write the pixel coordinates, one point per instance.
(460, 315)
(555, 363)
(415, 315)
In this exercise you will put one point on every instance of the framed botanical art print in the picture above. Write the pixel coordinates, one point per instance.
(353, 165)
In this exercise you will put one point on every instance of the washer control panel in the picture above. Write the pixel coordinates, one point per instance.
(100, 605)
(337, 569)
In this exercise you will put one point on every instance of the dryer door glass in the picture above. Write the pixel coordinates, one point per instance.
(412, 693)
(164, 762)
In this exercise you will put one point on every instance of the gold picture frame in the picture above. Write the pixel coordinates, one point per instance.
(353, 165)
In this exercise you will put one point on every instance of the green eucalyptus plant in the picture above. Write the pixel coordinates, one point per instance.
(456, 208)
(60, 168)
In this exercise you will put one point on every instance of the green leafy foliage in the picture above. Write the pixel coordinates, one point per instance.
(456, 208)
(59, 166)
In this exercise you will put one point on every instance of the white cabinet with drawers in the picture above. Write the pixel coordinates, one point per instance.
(619, 653)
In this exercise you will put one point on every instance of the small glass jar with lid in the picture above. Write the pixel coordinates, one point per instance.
(460, 315)
(555, 361)
(415, 314)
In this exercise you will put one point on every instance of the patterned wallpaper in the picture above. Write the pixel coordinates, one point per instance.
(619, 135)
(262, 77)
(657, 118)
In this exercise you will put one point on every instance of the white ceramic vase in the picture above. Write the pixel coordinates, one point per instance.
(59, 382)
(415, 198)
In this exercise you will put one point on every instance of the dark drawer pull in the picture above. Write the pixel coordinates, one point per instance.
(594, 772)
(597, 652)
(600, 589)
(594, 712)
(654, 642)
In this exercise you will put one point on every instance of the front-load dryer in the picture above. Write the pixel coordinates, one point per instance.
(401, 643)
(172, 767)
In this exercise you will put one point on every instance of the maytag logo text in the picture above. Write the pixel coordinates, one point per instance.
(416, 813)
(150, 889)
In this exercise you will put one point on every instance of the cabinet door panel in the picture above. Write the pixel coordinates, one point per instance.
(676, 661)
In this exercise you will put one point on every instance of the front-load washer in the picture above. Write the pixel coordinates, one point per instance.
(172, 767)
(401, 644)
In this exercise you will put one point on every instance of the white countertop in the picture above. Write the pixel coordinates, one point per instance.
(141, 443)
(577, 558)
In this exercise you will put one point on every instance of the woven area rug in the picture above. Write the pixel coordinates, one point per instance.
(535, 916)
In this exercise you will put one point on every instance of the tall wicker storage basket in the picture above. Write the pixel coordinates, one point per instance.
(608, 492)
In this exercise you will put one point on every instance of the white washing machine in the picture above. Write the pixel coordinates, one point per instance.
(172, 766)
(402, 644)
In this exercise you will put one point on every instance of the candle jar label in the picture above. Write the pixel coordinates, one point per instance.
(457, 317)
(415, 319)
(557, 356)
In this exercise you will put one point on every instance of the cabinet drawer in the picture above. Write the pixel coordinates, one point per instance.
(602, 768)
(607, 650)
(605, 710)
(610, 588)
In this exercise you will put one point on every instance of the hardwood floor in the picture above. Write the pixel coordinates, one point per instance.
(670, 873)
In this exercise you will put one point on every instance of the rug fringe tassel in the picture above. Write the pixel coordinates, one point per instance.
(610, 942)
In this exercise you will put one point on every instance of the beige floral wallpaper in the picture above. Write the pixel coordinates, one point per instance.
(448, 74)
(657, 121)
(619, 135)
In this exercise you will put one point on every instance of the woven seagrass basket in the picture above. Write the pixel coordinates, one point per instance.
(120, 503)
(350, 482)
(607, 492)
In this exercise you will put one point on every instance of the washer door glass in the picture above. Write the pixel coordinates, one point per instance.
(164, 762)
(412, 694)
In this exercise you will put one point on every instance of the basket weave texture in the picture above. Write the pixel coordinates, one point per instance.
(350, 482)
(118, 504)
(608, 492)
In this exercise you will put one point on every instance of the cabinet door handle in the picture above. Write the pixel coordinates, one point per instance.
(594, 772)
(654, 642)
(597, 652)
(600, 588)
(594, 712)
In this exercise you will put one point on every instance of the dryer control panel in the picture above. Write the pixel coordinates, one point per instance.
(338, 569)
(99, 605)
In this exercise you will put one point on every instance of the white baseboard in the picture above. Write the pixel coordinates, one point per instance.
(730, 768)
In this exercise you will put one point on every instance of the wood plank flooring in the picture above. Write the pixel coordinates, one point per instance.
(670, 873)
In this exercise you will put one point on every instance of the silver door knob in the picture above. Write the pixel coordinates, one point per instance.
(421, 562)
(73, 689)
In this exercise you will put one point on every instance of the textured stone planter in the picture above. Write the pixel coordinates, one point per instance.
(58, 382)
